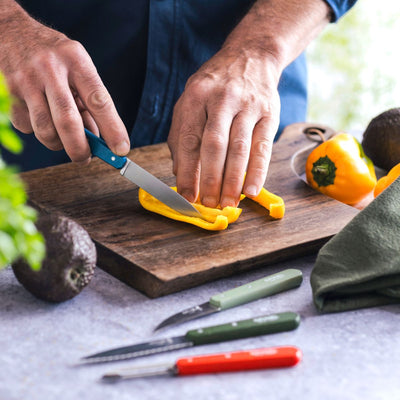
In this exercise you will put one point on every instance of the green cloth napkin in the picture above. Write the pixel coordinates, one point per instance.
(360, 266)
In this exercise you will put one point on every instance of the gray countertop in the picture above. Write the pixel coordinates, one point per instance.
(352, 355)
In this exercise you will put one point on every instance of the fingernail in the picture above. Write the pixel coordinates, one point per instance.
(209, 201)
(188, 195)
(251, 190)
(228, 201)
(122, 148)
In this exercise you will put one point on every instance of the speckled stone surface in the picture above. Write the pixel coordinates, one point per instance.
(352, 355)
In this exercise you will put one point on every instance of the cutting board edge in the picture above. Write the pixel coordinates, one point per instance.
(128, 272)
(164, 288)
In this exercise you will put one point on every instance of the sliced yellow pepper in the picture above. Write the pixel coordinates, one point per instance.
(271, 202)
(214, 219)
(387, 180)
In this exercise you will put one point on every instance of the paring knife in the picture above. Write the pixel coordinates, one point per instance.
(267, 286)
(263, 358)
(262, 325)
(141, 177)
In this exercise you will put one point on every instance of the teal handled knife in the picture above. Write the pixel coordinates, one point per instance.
(141, 177)
(267, 286)
(262, 325)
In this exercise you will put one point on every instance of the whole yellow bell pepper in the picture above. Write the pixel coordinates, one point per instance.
(387, 180)
(339, 168)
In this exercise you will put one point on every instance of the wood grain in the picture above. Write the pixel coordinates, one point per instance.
(159, 256)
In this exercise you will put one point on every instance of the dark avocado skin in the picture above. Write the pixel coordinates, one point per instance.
(69, 263)
(381, 139)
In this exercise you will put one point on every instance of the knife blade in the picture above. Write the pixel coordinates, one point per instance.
(262, 325)
(267, 286)
(262, 358)
(141, 177)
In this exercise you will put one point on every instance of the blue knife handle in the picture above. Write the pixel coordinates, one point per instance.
(100, 149)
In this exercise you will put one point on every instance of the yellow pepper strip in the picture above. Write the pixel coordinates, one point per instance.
(387, 180)
(215, 219)
(340, 169)
(271, 202)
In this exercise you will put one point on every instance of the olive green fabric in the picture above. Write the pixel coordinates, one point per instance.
(360, 266)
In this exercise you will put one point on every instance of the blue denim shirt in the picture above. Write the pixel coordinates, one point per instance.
(145, 50)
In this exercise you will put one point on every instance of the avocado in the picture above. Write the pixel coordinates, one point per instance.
(381, 139)
(69, 262)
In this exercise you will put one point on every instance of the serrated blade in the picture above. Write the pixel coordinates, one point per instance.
(188, 315)
(138, 350)
(158, 189)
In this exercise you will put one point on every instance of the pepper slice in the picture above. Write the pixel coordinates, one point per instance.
(271, 202)
(215, 219)
(387, 180)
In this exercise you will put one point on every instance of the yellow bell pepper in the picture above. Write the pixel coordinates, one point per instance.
(214, 218)
(339, 168)
(387, 180)
(271, 202)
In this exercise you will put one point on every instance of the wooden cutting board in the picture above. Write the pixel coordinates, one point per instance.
(159, 256)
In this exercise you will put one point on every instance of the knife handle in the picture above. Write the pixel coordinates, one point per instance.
(262, 325)
(99, 148)
(267, 286)
(272, 357)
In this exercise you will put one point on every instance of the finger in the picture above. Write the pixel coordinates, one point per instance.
(67, 120)
(173, 136)
(260, 155)
(213, 155)
(90, 123)
(237, 158)
(99, 104)
(20, 116)
(41, 121)
(188, 152)
(88, 120)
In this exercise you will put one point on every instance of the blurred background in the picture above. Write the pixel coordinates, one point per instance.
(354, 67)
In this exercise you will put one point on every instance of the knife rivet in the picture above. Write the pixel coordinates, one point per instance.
(112, 158)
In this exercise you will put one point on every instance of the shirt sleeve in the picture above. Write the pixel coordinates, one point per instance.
(339, 7)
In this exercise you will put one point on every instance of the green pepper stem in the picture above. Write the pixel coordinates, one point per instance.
(323, 171)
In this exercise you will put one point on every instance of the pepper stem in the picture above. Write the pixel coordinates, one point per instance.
(324, 171)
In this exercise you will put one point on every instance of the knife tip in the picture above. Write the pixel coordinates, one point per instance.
(88, 360)
(78, 363)
(159, 327)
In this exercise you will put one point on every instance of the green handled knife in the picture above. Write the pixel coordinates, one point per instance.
(262, 325)
(267, 286)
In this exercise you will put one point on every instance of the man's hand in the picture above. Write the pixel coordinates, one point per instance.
(225, 121)
(224, 125)
(56, 87)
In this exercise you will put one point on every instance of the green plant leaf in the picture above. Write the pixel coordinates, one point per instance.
(10, 140)
(19, 237)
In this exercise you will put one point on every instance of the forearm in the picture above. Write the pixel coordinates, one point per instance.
(279, 30)
(9, 9)
(56, 87)
(21, 35)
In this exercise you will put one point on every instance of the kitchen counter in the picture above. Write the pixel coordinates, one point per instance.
(352, 355)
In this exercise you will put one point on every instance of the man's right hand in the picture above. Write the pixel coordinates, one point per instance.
(56, 87)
